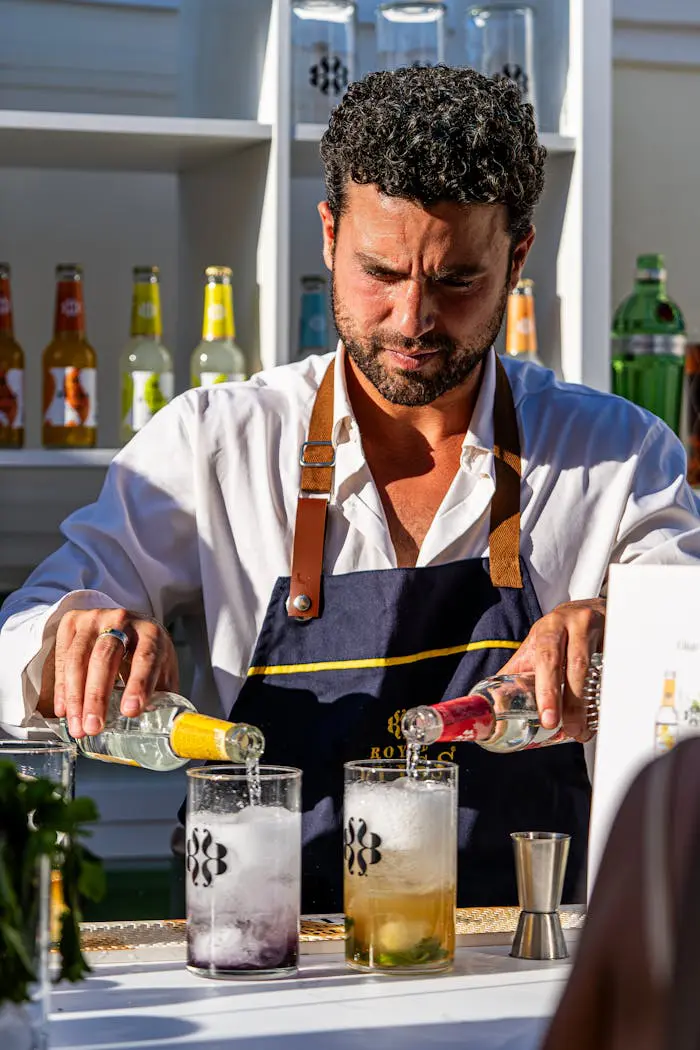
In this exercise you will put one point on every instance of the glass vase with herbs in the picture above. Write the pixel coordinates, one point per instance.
(41, 829)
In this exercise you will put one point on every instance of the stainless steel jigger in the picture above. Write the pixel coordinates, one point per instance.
(540, 864)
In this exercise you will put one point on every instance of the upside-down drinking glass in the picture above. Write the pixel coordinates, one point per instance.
(323, 56)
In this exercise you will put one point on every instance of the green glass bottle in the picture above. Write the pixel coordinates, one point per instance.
(649, 342)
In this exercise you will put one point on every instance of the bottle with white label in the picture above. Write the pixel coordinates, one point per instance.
(166, 735)
(218, 359)
(69, 367)
(146, 366)
(11, 371)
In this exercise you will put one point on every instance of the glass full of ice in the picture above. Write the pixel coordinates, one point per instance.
(243, 871)
(400, 852)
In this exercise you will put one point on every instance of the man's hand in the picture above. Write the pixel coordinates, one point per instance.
(559, 649)
(80, 677)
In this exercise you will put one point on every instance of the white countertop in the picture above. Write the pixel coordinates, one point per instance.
(487, 1002)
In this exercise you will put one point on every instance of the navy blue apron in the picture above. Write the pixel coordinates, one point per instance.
(332, 686)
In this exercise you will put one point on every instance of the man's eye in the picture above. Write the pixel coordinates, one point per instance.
(381, 275)
(454, 282)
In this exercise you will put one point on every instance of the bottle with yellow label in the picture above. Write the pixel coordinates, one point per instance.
(146, 366)
(666, 726)
(11, 371)
(69, 370)
(167, 735)
(218, 359)
(521, 331)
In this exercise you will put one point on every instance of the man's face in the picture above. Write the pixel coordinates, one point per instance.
(419, 293)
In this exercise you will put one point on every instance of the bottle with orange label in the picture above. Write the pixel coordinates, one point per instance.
(11, 371)
(69, 370)
(167, 735)
(521, 331)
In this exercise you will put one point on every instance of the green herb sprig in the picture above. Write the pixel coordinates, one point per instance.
(38, 821)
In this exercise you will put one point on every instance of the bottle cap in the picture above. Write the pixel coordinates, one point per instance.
(4, 269)
(525, 286)
(219, 273)
(146, 271)
(313, 279)
(69, 272)
(651, 268)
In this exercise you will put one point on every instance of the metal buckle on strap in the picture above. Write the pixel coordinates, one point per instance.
(324, 463)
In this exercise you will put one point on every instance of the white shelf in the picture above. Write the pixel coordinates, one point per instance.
(553, 143)
(96, 142)
(306, 161)
(60, 457)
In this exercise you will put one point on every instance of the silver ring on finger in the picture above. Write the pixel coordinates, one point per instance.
(114, 632)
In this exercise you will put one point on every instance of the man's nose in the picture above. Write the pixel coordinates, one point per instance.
(414, 311)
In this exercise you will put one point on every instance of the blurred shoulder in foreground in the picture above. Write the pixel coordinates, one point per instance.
(633, 983)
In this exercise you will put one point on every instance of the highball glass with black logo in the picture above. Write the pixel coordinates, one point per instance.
(243, 871)
(400, 865)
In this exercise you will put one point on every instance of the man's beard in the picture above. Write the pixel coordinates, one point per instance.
(412, 389)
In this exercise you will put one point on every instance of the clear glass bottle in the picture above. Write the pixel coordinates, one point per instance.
(146, 365)
(166, 735)
(500, 714)
(218, 359)
(11, 371)
(313, 321)
(521, 328)
(69, 366)
(649, 344)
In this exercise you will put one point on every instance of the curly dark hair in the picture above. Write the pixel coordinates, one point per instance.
(437, 134)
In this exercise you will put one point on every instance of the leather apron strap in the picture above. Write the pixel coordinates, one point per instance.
(317, 460)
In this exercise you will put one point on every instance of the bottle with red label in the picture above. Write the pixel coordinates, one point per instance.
(11, 371)
(69, 370)
(500, 714)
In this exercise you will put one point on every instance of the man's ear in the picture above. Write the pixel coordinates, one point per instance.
(328, 228)
(519, 256)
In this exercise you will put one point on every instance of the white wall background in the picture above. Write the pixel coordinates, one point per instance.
(656, 148)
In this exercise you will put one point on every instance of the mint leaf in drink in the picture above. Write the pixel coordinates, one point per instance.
(428, 950)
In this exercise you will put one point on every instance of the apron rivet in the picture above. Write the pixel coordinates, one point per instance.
(302, 603)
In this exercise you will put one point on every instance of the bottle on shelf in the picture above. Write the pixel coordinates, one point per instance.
(11, 371)
(146, 366)
(313, 319)
(217, 359)
(500, 714)
(666, 724)
(521, 330)
(167, 735)
(649, 344)
(690, 410)
(69, 366)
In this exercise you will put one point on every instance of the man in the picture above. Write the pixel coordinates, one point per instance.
(454, 506)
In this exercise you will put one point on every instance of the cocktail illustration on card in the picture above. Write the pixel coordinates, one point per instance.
(678, 715)
(666, 725)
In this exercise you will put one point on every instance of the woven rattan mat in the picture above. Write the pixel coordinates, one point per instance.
(129, 936)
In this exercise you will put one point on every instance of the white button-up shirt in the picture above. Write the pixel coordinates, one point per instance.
(197, 512)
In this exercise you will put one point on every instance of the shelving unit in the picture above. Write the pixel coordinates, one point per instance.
(160, 132)
(98, 142)
(65, 458)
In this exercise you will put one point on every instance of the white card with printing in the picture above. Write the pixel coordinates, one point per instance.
(650, 695)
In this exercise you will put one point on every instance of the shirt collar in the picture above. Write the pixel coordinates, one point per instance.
(479, 437)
